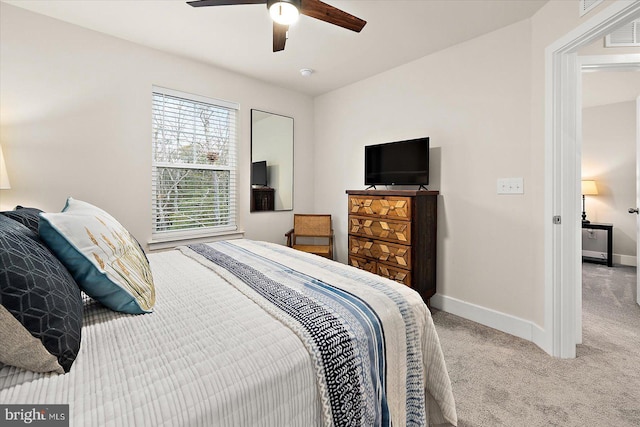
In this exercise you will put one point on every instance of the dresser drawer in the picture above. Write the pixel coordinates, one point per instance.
(363, 264)
(390, 253)
(377, 228)
(394, 273)
(392, 207)
(361, 247)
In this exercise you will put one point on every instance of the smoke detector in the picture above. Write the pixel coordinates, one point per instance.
(306, 72)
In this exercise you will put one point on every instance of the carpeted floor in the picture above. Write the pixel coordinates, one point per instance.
(500, 380)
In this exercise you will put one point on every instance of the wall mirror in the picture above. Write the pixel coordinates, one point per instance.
(271, 162)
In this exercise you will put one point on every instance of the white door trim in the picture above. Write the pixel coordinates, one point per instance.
(637, 195)
(562, 176)
(628, 62)
(595, 63)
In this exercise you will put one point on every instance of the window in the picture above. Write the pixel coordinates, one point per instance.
(193, 167)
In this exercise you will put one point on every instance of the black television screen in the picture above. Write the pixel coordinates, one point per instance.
(397, 163)
(259, 173)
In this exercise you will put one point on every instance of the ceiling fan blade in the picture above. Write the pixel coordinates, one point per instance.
(201, 3)
(279, 36)
(324, 12)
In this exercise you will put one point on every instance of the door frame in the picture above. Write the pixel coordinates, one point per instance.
(562, 176)
(597, 63)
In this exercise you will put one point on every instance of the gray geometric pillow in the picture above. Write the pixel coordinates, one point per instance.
(29, 217)
(40, 294)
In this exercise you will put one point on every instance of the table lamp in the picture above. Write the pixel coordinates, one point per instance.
(4, 176)
(588, 189)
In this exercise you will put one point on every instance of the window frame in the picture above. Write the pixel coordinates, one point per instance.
(162, 239)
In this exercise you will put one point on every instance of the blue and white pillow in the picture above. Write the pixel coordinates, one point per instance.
(103, 257)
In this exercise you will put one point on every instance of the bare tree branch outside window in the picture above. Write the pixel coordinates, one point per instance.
(193, 163)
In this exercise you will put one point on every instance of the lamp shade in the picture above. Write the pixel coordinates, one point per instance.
(4, 176)
(589, 188)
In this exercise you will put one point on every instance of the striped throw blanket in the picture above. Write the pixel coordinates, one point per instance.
(364, 376)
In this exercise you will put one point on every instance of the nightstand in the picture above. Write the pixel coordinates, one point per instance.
(609, 229)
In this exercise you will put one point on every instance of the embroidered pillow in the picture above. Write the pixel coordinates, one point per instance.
(40, 304)
(103, 257)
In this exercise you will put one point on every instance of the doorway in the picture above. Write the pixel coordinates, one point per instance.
(609, 85)
(562, 178)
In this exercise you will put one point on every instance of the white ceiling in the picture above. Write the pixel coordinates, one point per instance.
(239, 37)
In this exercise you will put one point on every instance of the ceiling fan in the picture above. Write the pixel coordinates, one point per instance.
(286, 12)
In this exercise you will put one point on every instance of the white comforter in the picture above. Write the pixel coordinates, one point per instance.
(210, 356)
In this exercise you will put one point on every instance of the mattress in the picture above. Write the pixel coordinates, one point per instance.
(216, 352)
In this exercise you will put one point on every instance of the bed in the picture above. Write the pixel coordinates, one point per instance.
(247, 333)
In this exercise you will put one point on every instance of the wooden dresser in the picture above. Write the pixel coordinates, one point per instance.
(392, 233)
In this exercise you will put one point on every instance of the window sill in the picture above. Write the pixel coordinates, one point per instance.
(159, 244)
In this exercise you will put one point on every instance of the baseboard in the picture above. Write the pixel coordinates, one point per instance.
(617, 258)
(629, 260)
(595, 254)
(541, 338)
(507, 323)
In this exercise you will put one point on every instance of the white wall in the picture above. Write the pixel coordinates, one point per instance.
(609, 157)
(76, 121)
(473, 101)
(482, 104)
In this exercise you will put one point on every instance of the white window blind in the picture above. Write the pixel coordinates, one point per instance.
(194, 164)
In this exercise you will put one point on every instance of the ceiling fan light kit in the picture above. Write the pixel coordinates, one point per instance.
(285, 12)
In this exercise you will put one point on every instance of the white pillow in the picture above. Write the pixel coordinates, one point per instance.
(102, 256)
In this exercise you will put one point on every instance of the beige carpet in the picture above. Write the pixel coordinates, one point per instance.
(500, 380)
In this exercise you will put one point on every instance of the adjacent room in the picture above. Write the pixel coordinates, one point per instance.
(373, 212)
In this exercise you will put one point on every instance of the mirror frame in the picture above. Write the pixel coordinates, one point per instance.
(267, 198)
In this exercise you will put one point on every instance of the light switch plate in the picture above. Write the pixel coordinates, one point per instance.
(510, 186)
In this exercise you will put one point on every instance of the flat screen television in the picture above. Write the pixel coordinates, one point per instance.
(259, 173)
(397, 163)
